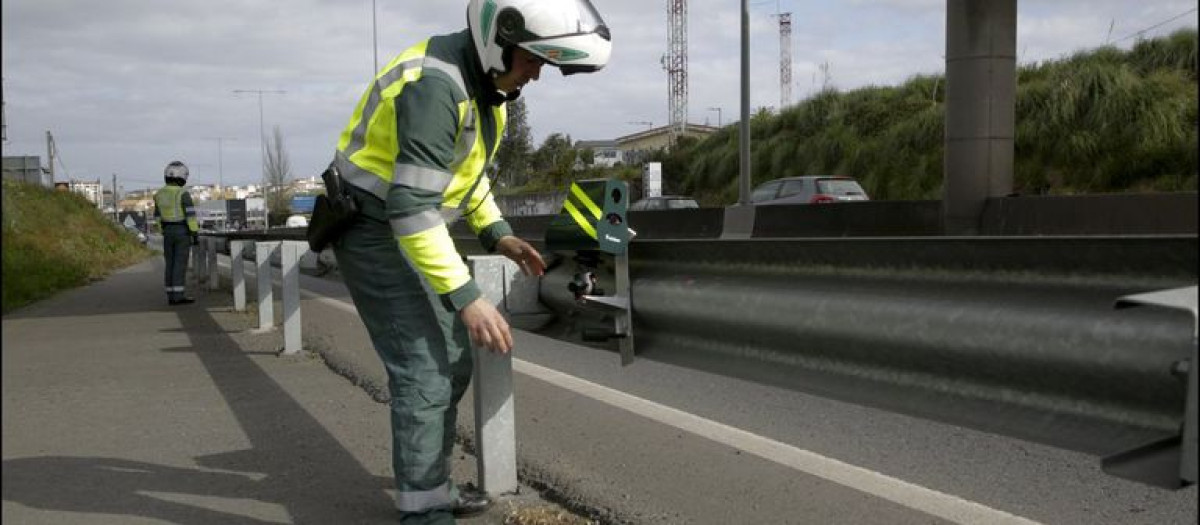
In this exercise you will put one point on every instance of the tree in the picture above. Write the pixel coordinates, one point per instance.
(516, 148)
(279, 175)
(554, 159)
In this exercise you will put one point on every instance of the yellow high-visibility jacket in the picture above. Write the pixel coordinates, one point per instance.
(420, 138)
(173, 204)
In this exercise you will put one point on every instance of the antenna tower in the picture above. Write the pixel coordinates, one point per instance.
(785, 60)
(675, 63)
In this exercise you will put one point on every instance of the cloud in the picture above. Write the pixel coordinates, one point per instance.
(127, 85)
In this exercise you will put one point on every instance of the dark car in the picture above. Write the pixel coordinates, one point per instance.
(664, 202)
(809, 189)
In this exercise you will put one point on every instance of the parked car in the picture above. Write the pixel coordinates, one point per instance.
(809, 189)
(664, 202)
(296, 221)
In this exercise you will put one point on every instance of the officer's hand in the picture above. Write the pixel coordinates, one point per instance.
(487, 327)
(522, 253)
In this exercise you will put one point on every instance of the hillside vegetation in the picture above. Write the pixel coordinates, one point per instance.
(55, 240)
(1105, 120)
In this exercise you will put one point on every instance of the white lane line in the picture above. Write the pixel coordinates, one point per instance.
(946, 506)
(929, 501)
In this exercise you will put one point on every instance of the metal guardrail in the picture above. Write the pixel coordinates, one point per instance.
(1010, 335)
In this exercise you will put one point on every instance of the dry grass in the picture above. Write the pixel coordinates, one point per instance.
(544, 515)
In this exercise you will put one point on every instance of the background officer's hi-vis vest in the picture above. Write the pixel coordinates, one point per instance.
(366, 157)
(169, 202)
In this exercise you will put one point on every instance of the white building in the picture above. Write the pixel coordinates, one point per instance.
(92, 191)
(605, 153)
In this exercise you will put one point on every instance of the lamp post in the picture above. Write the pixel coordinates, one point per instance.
(220, 166)
(718, 110)
(374, 38)
(262, 144)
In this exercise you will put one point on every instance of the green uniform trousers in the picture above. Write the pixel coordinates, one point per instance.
(426, 351)
(177, 247)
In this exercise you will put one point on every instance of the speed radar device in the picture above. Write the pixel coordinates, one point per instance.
(591, 230)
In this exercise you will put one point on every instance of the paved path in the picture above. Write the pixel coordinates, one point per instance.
(119, 409)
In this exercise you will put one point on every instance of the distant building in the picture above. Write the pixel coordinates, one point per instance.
(92, 191)
(136, 203)
(637, 146)
(605, 153)
(310, 185)
(26, 169)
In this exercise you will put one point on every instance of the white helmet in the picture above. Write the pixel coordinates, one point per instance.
(176, 170)
(568, 34)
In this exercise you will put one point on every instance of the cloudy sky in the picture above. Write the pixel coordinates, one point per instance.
(125, 86)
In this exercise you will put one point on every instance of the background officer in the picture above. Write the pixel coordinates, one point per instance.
(177, 217)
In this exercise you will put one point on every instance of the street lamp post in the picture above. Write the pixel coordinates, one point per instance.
(718, 110)
(374, 38)
(262, 144)
(220, 166)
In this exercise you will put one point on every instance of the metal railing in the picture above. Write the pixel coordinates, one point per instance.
(1010, 335)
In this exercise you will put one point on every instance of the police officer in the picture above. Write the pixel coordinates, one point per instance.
(414, 155)
(177, 216)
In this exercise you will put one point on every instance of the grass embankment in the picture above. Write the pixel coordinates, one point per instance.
(1100, 121)
(56, 240)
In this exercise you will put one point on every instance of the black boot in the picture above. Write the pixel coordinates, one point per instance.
(471, 502)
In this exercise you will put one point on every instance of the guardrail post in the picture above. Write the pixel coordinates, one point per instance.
(495, 434)
(201, 269)
(237, 273)
(194, 260)
(214, 274)
(266, 297)
(1154, 463)
(289, 264)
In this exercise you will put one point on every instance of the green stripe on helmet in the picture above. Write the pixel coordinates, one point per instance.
(489, 9)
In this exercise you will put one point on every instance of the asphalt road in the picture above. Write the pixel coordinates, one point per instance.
(115, 412)
(118, 409)
(657, 443)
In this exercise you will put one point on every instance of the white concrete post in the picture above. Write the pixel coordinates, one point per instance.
(266, 297)
(237, 272)
(194, 260)
(290, 266)
(214, 274)
(495, 429)
(201, 268)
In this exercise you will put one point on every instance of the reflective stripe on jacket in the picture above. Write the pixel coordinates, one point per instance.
(173, 204)
(419, 139)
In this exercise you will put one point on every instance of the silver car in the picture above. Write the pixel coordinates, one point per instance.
(664, 202)
(809, 189)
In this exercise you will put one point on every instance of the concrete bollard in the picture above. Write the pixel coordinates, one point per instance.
(237, 273)
(266, 298)
(289, 265)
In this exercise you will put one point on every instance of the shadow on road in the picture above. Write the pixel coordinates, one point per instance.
(295, 469)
